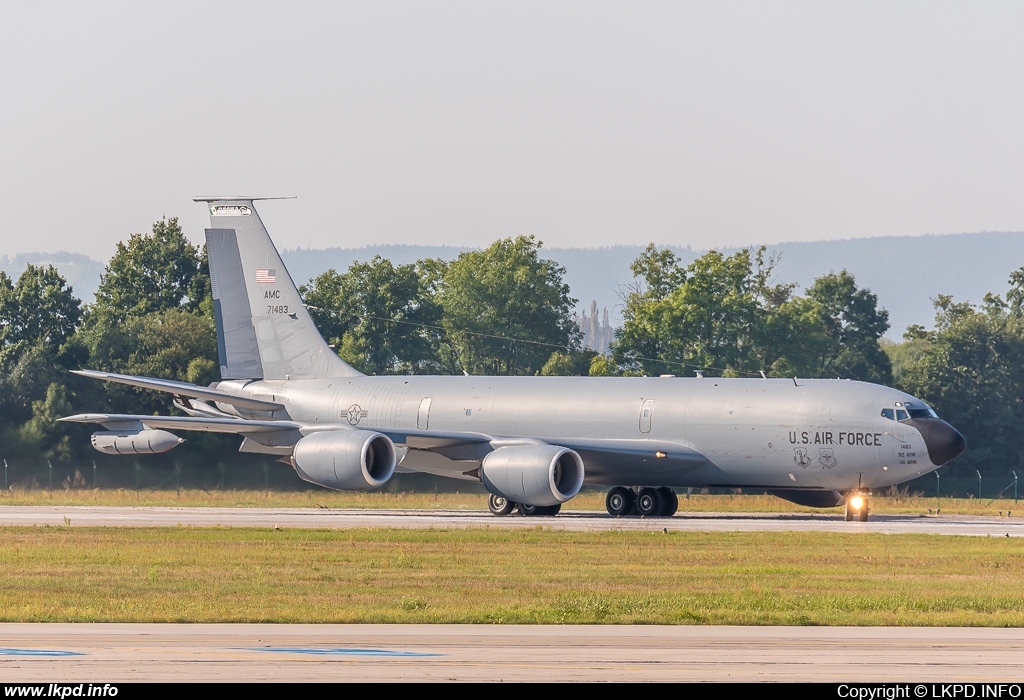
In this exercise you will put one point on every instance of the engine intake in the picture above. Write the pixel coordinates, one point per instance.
(135, 442)
(348, 460)
(536, 475)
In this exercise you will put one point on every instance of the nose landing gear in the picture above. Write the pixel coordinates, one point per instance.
(857, 506)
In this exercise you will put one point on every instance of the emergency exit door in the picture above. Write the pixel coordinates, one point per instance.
(646, 414)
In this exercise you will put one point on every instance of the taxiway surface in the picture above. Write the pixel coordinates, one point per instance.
(111, 653)
(588, 521)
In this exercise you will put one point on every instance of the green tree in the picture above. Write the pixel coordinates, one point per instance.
(853, 324)
(506, 309)
(569, 364)
(716, 318)
(971, 369)
(40, 309)
(725, 315)
(43, 435)
(383, 319)
(153, 316)
(38, 321)
(155, 272)
(603, 366)
(171, 344)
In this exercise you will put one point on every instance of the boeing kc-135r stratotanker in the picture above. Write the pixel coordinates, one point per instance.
(532, 441)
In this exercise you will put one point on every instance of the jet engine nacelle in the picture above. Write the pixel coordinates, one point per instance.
(537, 475)
(349, 460)
(135, 442)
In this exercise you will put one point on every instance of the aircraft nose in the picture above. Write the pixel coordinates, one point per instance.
(944, 442)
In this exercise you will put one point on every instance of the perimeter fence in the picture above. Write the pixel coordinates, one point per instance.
(142, 474)
(253, 472)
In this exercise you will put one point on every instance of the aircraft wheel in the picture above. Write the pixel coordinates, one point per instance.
(499, 505)
(649, 502)
(671, 501)
(528, 510)
(857, 506)
(619, 501)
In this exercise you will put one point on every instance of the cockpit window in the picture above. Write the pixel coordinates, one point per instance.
(907, 410)
(919, 409)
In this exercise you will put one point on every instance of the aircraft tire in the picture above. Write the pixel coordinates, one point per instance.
(671, 502)
(500, 505)
(864, 512)
(847, 513)
(649, 502)
(620, 501)
(539, 510)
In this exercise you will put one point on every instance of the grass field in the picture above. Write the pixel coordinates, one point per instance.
(588, 500)
(501, 576)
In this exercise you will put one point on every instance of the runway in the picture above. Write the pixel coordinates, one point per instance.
(111, 653)
(587, 521)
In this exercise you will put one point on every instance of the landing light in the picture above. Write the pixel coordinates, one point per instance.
(856, 503)
(660, 455)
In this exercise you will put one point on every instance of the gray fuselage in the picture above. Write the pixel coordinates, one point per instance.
(775, 433)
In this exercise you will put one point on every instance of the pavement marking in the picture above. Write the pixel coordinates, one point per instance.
(339, 651)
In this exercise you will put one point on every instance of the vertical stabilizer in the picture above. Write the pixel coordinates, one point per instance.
(263, 329)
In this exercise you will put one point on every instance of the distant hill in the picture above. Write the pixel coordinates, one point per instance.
(81, 271)
(906, 272)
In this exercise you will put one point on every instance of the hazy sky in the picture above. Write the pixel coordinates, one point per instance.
(585, 123)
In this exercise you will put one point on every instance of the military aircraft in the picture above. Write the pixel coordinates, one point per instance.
(532, 441)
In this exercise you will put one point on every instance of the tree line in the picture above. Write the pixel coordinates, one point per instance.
(502, 310)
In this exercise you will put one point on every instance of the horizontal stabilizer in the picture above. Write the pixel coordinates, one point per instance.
(183, 389)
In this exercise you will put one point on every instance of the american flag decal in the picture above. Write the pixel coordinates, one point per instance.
(266, 276)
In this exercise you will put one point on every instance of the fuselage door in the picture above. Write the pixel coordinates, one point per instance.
(646, 414)
(423, 415)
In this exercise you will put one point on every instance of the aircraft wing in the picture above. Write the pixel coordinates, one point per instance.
(182, 389)
(237, 426)
(602, 457)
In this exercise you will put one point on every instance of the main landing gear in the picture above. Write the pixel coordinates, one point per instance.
(857, 506)
(647, 501)
(499, 505)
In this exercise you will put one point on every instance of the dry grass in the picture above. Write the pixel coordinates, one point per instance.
(501, 576)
